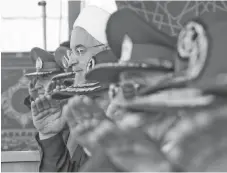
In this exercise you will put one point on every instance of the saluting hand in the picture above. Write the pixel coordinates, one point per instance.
(80, 108)
(47, 117)
(83, 115)
(83, 131)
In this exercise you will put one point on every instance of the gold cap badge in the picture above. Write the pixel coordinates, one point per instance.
(39, 64)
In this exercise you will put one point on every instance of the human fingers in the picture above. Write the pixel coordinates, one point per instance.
(34, 109)
(42, 115)
(92, 108)
(50, 87)
(53, 103)
(45, 102)
(32, 83)
(39, 104)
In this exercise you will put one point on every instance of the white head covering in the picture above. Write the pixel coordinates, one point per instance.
(94, 16)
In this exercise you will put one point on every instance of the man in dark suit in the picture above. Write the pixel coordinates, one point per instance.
(52, 133)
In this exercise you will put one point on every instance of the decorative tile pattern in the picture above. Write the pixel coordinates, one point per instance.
(170, 16)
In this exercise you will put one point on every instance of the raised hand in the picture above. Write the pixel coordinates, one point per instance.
(82, 133)
(47, 116)
(80, 108)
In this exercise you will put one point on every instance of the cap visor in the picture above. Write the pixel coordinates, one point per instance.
(171, 81)
(63, 75)
(109, 72)
(29, 75)
(206, 85)
(165, 101)
(71, 91)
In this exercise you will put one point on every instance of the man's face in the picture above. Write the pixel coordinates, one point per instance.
(155, 123)
(83, 48)
(130, 83)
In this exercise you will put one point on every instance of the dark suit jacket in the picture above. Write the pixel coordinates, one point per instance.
(57, 157)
